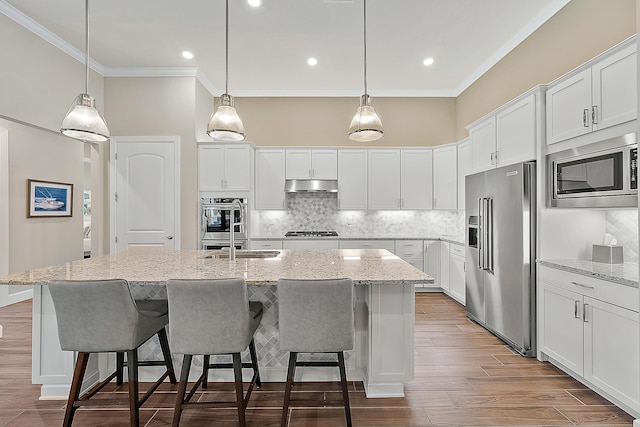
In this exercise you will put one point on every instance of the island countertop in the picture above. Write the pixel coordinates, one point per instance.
(150, 265)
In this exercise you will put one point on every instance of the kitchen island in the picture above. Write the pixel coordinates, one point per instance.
(384, 308)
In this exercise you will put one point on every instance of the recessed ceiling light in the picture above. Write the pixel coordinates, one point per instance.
(187, 54)
(428, 61)
(254, 3)
(312, 61)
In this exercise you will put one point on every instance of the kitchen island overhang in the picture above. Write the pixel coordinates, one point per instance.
(384, 308)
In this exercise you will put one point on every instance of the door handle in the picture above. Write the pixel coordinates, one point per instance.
(585, 114)
(584, 313)
(170, 237)
(594, 114)
(576, 305)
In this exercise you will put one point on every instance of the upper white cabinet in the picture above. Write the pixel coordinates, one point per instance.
(224, 167)
(312, 164)
(383, 180)
(270, 173)
(507, 135)
(444, 177)
(464, 168)
(416, 180)
(352, 179)
(599, 94)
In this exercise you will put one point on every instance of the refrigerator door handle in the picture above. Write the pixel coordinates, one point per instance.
(480, 232)
(489, 233)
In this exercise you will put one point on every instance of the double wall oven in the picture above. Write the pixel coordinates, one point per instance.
(217, 218)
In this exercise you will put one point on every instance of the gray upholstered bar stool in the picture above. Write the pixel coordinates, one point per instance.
(99, 316)
(212, 317)
(315, 316)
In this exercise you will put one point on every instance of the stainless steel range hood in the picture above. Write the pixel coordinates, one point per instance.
(311, 185)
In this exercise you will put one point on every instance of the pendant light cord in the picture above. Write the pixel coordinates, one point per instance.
(226, 47)
(86, 46)
(365, 46)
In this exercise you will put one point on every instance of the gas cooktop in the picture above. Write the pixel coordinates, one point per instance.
(330, 233)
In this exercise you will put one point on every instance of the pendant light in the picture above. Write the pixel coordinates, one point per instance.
(366, 125)
(225, 124)
(83, 120)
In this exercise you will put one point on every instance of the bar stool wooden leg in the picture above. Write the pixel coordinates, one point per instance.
(182, 389)
(237, 372)
(132, 368)
(345, 390)
(206, 360)
(76, 384)
(254, 363)
(119, 367)
(293, 357)
(166, 354)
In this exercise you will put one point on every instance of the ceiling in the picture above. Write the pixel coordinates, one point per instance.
(269, 45)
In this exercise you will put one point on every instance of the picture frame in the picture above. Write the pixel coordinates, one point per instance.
(49, 199)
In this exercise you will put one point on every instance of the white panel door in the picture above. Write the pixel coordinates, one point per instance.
(416, 182)
(569, 108)
(384, 179)
(464, 168)
(445, 187)
(145, 193)
(298, 164)
(210, 167)
(483, 145)
(237, 167)
(324, 164)
(445, 259)
(516, 132)
(352, 179)
(270, 173)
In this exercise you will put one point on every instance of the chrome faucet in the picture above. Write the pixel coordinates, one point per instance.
(235, 205)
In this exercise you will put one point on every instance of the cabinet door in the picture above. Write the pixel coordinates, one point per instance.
(464, 169)
(516, 132)
(483, 145)
(324, 164)
(352, 179)
(383, 178)
(444, 266)
(410, 251)
(569, 108)
(416, 181)
(432, 260)
(456, 279)
(270, 173)
(611, 345)
(560, 323)
(237, 168)
(445, 193)
(615, 87)
(210, 167)
(298, 164)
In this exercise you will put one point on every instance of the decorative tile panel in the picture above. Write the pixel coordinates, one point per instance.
(623, 225)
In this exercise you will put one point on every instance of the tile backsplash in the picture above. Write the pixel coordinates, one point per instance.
(319, 211)
(623, 225)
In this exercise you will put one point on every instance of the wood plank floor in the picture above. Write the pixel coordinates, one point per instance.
(464, 377)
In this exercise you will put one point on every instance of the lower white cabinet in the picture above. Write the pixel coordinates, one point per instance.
(265, 244)
(410, 251)
(589, 328)
(456, 273)
(432, 263)
(311, 244)
(444, 266)
(368, 244)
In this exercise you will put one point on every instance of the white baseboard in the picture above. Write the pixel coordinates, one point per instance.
(636, 423)
(0, 331)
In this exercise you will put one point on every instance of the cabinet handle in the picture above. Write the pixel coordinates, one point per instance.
(492, 158)
(576, 304)
(584, 313)
(585, 114)
(497, 154)
(583, 286)
(594, 114)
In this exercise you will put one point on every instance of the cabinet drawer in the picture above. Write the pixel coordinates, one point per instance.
(409, 248)
(603, 290)
(457, 250)
(368, 244)
(266, 244)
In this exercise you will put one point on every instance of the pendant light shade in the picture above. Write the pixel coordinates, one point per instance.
(83, 120)
(365, 125)
(225, 124)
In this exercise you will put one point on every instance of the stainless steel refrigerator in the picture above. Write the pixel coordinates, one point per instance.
(500, 206)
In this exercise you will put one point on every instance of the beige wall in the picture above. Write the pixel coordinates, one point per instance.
(577, 33)
(325, 121)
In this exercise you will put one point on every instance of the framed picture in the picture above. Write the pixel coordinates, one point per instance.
(49, 198)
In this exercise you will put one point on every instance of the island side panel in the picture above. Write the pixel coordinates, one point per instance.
(390, 348)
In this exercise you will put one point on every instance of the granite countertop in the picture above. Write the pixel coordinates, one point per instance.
(459, 240)
(148, 266)
(625, 274)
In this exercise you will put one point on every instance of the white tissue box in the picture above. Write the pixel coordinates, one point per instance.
(607, 253)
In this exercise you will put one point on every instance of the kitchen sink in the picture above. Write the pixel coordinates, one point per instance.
(241, 253)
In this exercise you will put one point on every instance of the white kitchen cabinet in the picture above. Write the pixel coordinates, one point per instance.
(352, 179)
(432, 262)
(411, 252)
(506, 136)
(368, 244)
(383, 179)
(599, 94)
(445, 258)
(464, 168)
(590, 328)
(270, 177)
(311, 244)
(257, 244)
(311, 164)
(445, 188)
(224, 167)
(456, 273)
(416, 181)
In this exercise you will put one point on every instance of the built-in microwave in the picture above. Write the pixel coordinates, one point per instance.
(599, 175)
